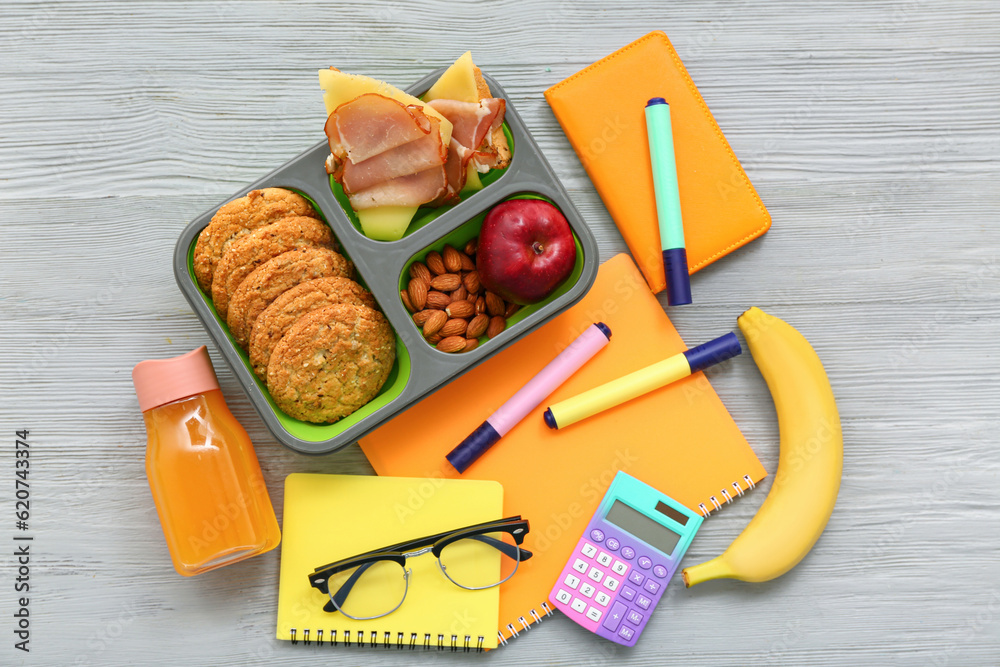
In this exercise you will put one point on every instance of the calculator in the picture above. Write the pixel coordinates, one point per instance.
(619, 569)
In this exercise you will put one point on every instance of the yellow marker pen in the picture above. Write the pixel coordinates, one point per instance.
(642, 381)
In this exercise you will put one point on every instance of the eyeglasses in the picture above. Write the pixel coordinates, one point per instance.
(374, 584)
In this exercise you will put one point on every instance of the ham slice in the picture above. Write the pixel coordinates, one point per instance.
(412, 190)
(472, 122)
(409, 158)
(372, 124)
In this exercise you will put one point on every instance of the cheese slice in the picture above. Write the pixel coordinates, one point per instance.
(386, 223)
(339, 87)
(457, 83)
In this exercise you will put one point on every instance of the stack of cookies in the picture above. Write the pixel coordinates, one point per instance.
(313, 334)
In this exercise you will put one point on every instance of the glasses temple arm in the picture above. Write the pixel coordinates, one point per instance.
(338, 598)
(509, 550)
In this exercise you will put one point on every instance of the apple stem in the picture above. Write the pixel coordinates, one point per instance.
(537, 247)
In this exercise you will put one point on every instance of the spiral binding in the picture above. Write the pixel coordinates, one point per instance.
(401, 642)
(524, 623)
(726, 496)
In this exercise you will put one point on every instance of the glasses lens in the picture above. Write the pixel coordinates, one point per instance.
(370, 590)
(480, 561)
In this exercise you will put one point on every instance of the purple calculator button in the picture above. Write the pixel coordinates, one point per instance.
(634, 617)
(660, 571)
(644, 562)
(614, 618)
(612, 544)
(636, 578)
(597, 535)
(626, 633)
(628, 593)
(643, 602)
(628, 553)
(651, 586)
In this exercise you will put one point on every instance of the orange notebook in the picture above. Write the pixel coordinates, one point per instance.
(601, 109)
(679, 439)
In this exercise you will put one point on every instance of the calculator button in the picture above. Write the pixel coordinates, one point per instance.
(611, 583)
(563, 596)
(580, 565)
(615, 616)
(660, 571)
(602, 599)
(594, 614)
(571, 581)
(595, 574)
(628, 553)
(626, 633)
(636, 577)
(612, 544)
(588, 550)
(597, 535)
(628, 593)
(604, 559)
(579, 605)
(634, 617)
(645, 563)
(651, 586)
(587, 590)
(619, 568)
(643, 602)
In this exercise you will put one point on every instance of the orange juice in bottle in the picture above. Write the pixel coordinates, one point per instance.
(202, 469)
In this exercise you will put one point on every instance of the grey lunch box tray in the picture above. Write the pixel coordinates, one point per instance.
(381, 266)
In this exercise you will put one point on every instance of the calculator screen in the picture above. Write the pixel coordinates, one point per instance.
(642, 526)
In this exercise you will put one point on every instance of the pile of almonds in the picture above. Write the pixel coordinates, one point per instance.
(448, 302)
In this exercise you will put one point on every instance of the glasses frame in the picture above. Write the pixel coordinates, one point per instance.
(435, 544)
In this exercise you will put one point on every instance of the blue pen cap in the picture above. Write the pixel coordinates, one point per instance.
(473, 447)
(675, 265)
(655, 100)
(713, 352)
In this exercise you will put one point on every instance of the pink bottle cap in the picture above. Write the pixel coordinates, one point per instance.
(161, 381)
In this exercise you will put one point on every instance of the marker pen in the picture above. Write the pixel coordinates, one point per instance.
(668, 201)
(642, 381)
(530, 396)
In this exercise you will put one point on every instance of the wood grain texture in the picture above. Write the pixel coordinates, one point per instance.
(870, 131)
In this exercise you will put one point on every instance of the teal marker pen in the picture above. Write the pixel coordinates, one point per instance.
(668, 201)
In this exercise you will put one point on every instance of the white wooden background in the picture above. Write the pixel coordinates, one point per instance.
(870, 130)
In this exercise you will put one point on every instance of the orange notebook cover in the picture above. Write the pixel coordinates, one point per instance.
(601, 110)
(679, 439)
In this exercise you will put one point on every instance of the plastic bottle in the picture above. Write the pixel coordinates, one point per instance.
(202, 469)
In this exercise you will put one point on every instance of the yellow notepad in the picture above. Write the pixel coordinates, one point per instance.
(330, 517)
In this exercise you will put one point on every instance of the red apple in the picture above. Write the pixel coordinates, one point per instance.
(526, 249)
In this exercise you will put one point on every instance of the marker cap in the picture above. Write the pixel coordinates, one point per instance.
(713, 352)
(675, 265)
(473, 447)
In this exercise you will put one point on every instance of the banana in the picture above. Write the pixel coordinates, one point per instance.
(810, 459)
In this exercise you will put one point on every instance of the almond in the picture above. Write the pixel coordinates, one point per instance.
(437, 300)
(405, 297)
(494, 304)
(418, 293)
(462, 309)
(461, 294)
(452, 344)
(471, 281)
(480, 305)
(435, 339)
(420, 270)
(497, 324)
(435, 263)
(470, 247)
(454, 327)
(511, 309)
(421, 316)
(435, 321)
(471, 344)
(452, 259)
(446, 282)
(477, 326)
(467, 263)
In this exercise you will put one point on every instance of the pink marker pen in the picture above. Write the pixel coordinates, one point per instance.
(530, 396)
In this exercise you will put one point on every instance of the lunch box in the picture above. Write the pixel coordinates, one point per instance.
(383, 266)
